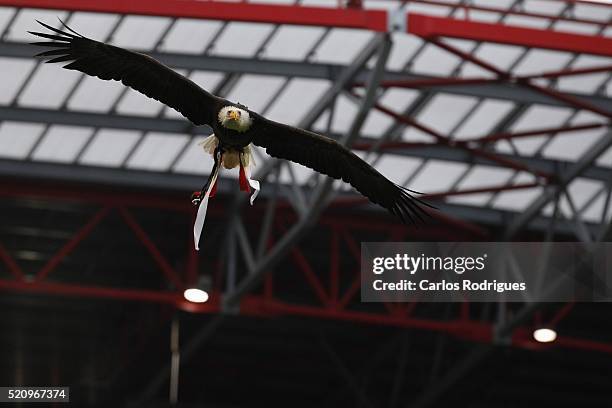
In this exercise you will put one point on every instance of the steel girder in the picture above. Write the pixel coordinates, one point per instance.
(331, 72)
(564, 179)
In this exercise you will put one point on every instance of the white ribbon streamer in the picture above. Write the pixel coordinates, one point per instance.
(254, 185)
(198, 226)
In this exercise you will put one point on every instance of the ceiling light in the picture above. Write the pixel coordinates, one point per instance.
(545, 335)
(195, 295)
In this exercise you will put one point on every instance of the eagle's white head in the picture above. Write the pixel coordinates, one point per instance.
(235, 118)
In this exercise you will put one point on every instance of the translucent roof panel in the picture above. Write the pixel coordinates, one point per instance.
(593, 213)
(605, 159)
(17, 139)
(6, 14)
(434, 61)
(397, 168)
(320, 3)
(399, 99)
(297, 99)
(342, 45)
(484, 16)
(482, 121)
(428, 9)
(537, 61)
(106, 94)
(543, 7)
(454, 107)
(293, 42)
(135, 103)
(517, 200)
(414, 135)
(480, 176)
(190, 36)
(26, 21)
(376, 124)
(232, 40)
(538, 117)
(139, 32)
(581, 190)
(577, 28)
(437, 176)
(344, 114)
(501, 56)
(97, 26)
(294, 172)
(586, 83)
(467, 68)
(570, 145)
(48, 87)
(194, 159)
(255, 91)
(109, 147)
(404, 47)
(526, 21)
(157, 151)
(15, 71)
(593, 11)
(61, 143)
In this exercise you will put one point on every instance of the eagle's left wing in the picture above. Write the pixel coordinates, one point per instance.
(326, 156)
(138, 71)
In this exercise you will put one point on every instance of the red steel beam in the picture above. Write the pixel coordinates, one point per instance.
(568, 72)
(434, 82)
(375, 20)
(430, 82)
(93, 194)
(76, 239)
(487, 189)
(255, 305)
(155, 253)
(535, 132)
(568, 99)
(433, 27)
(64, 289)
(310, 275)
(10, 263)
(511, 12)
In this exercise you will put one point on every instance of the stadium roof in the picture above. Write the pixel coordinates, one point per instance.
(62, 121)
(493, 109)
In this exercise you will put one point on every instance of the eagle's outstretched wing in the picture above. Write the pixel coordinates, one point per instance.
(327, 156)
(133, 69)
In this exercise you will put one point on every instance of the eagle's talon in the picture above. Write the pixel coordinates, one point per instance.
(196, 198)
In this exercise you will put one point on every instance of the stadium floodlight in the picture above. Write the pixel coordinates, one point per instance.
(199, 292)
(544, 335)
(196, 295)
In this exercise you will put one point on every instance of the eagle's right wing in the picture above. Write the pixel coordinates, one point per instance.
(138, 71)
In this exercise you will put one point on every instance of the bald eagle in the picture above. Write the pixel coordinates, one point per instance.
(234, 126)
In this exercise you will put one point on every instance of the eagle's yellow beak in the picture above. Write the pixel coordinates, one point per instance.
(233, 115)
